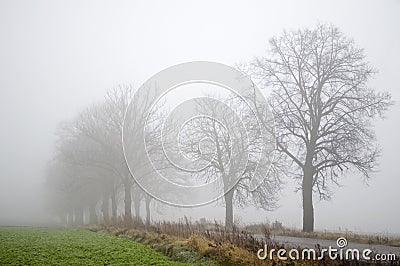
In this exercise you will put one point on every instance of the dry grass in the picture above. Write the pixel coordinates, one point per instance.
(206, 243)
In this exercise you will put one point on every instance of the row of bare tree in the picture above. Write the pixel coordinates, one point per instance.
(317, 85)
(88, 171)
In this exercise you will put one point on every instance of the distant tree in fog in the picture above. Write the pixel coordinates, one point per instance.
(323, 108)
(89, 159)
(85, 161)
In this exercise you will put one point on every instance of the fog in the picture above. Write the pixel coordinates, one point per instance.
(57, 58)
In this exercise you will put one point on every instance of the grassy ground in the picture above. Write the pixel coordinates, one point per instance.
(45, 246)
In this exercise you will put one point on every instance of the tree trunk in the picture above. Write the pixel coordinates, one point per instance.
(113, 205)
(70, 218)
(229, 209)
(92, 214)
(308, 209)
(105, 207)
(147, 200)
(136, 204)
(128, 199)
(79, 215)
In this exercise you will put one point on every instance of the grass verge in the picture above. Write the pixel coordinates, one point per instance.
(187, 242)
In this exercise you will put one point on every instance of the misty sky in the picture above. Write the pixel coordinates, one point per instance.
(58, 57)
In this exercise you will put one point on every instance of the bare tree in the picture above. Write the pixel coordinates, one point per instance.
(89, 153)
(229, 143)
(89, 142)
(144, 124)
(72, 189)
(90, 147)
(323, 108)
(117, 101)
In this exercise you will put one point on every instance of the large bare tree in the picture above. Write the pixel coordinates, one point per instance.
(323, 108)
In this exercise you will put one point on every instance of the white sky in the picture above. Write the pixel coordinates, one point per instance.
(57, 57)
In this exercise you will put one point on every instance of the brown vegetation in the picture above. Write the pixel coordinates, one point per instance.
(208, 243)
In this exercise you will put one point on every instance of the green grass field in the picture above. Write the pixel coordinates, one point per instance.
(50, 246)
